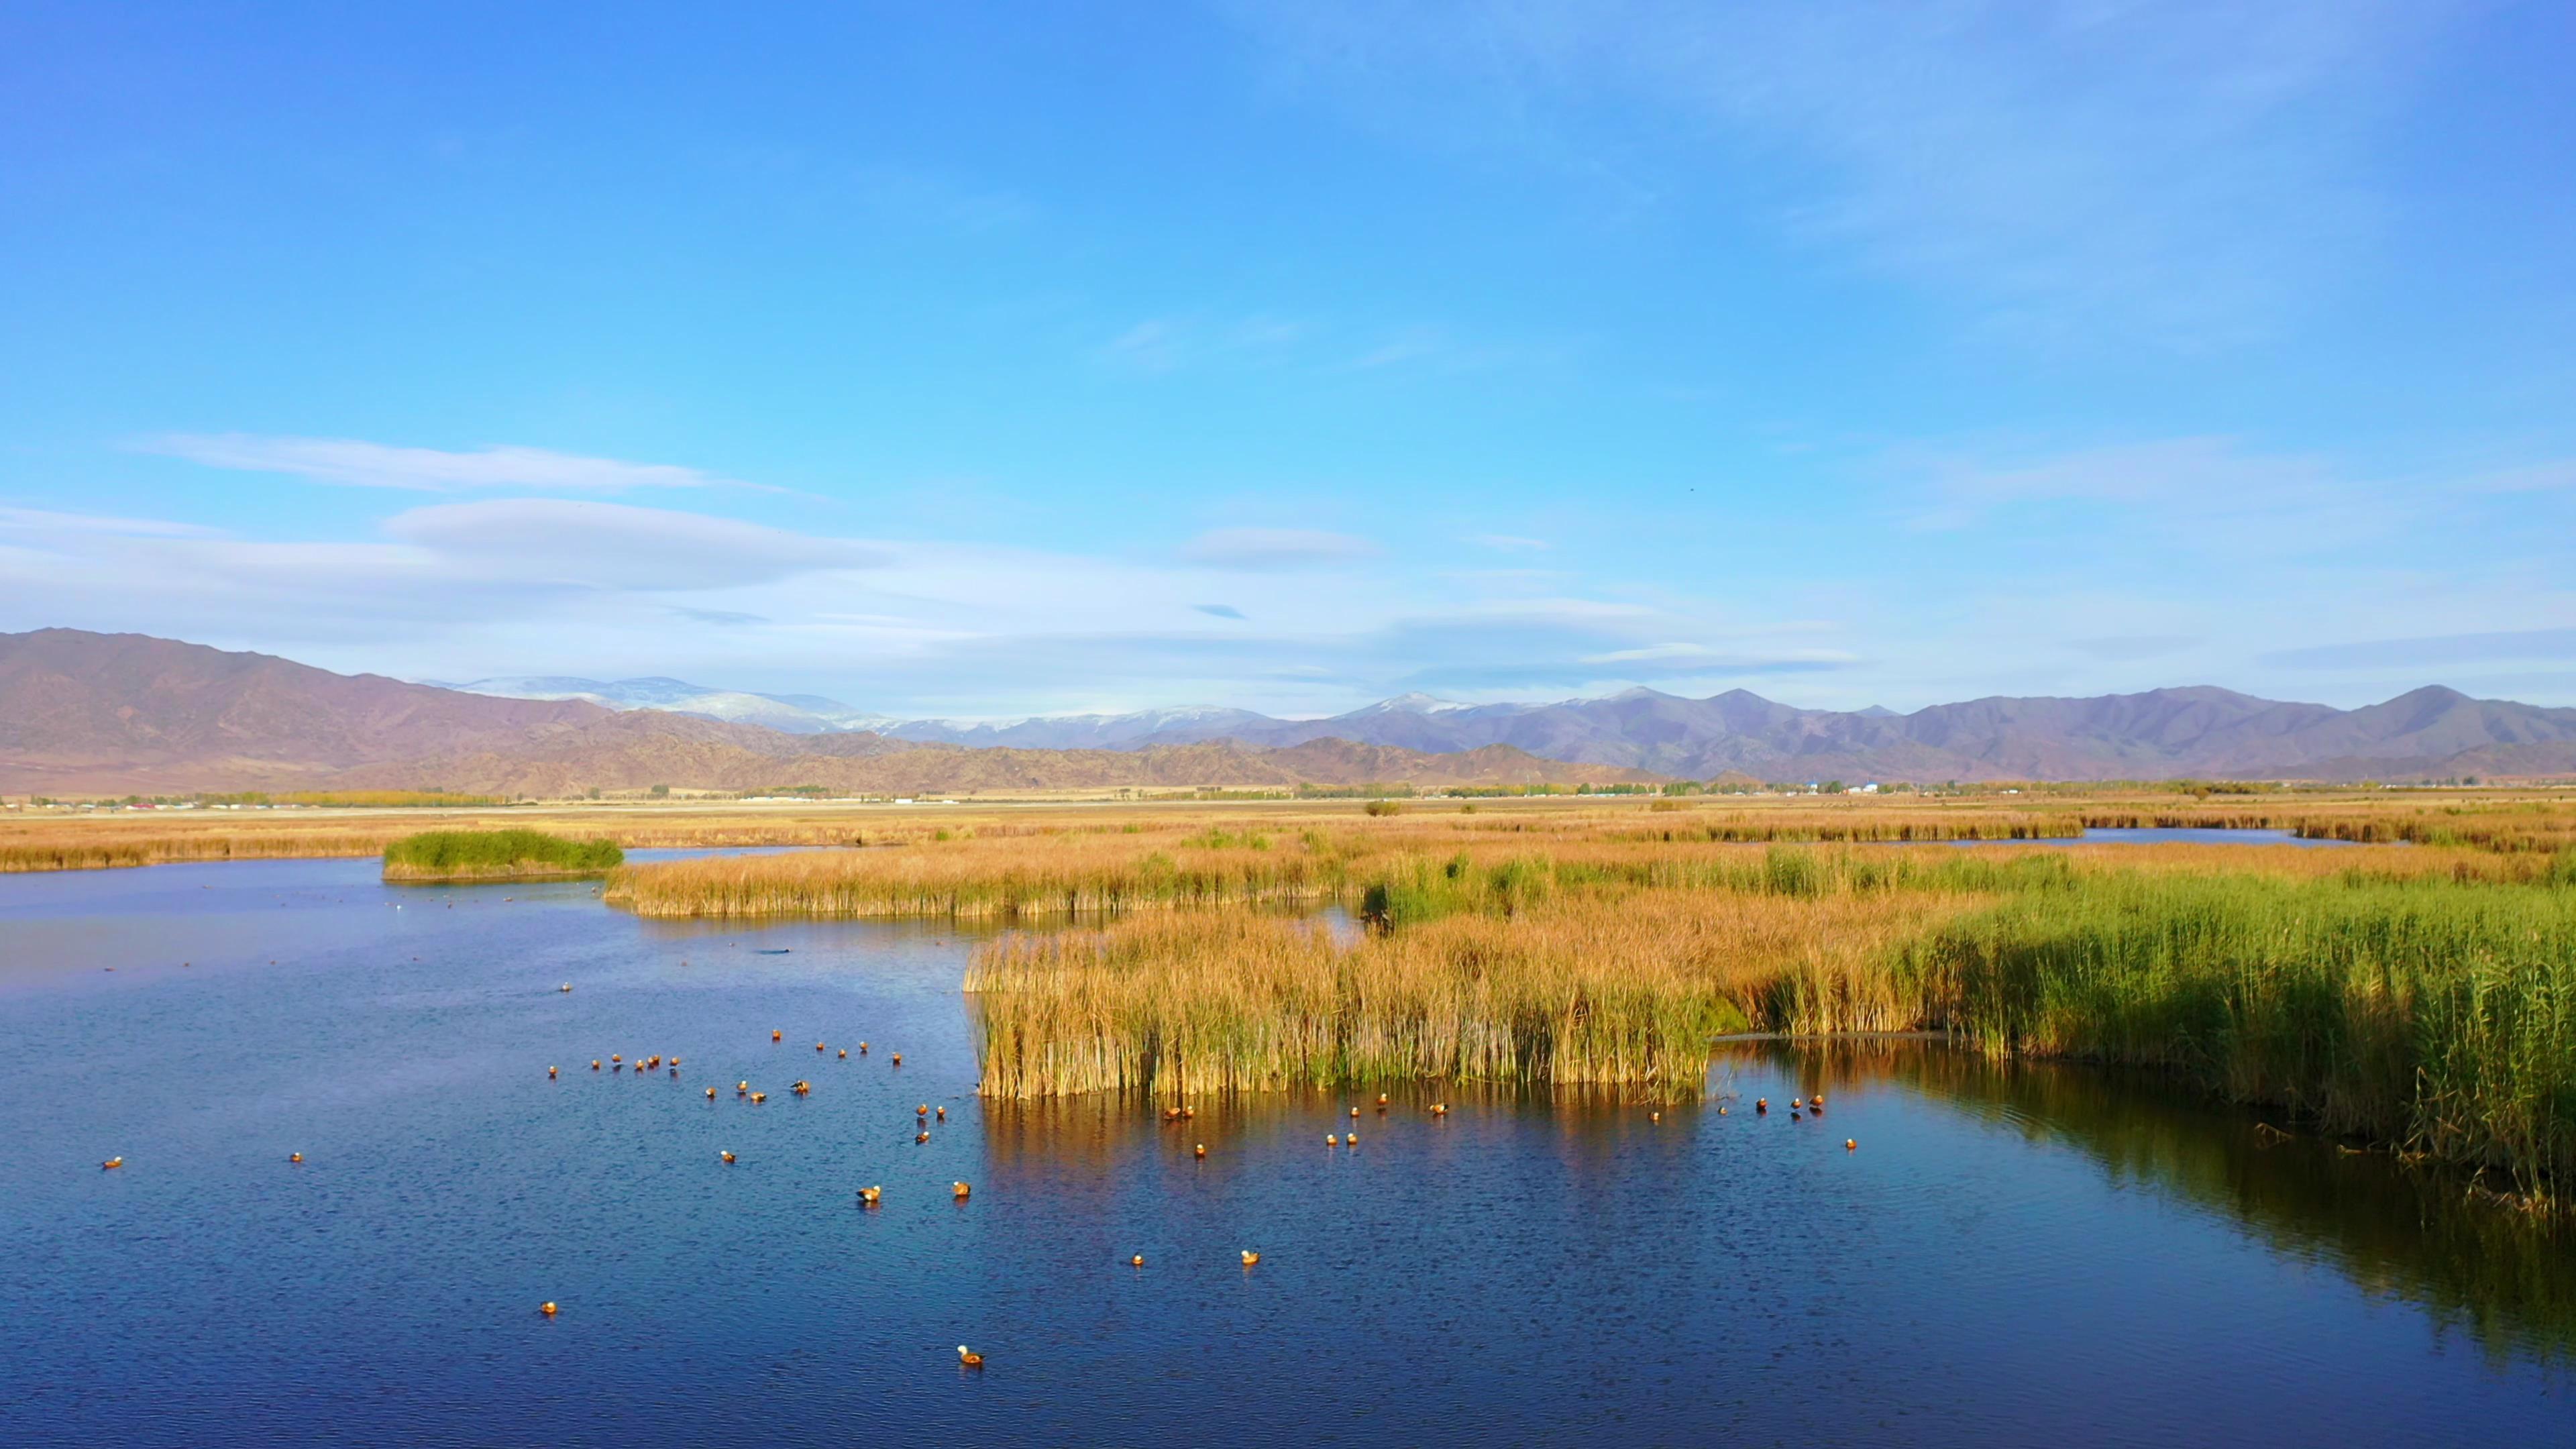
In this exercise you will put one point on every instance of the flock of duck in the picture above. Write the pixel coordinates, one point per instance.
(923, 1115)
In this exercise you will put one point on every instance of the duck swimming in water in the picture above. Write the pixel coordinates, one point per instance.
(969, 1357)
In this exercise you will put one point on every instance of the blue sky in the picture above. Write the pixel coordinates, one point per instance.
(987, 361)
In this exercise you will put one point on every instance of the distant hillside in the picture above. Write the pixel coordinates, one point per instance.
(85, 713)
(97, 713)
(2160, 733)
(82, 712)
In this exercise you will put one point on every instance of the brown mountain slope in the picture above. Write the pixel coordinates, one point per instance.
(84, 713)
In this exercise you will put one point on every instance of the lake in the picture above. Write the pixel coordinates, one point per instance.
(2013, 1255)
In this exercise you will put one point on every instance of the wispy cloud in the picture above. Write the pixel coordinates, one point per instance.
(614, 545)
(362, 464)
(2129, 648)
(1270, 340)
(1274, 548)
(2438, 651)
(37, 520)
(722, 618)
(1153, 345)
(1219, 611)
(2186, 172)
(1699, 657)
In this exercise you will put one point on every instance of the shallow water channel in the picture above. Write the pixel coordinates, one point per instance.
(2013, 1255)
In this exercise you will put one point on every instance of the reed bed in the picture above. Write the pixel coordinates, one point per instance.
(1620, 993)
(979, 879)
(2435, 1015)
(98, 852)
(2395, 993)
(466, 855)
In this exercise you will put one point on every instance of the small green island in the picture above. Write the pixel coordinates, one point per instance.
(485, 855)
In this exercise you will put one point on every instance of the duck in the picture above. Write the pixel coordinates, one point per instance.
(1332, 1141)
(969, 1357)
(759, 1097)
(614, 1057)
(711, 1094)
(939, 1113)
(741, 1087)
(869, 1195)
(1250, 1257)
(1202, 1152)
(863, 1049)
(1761, 1104)
(567, 986)
(919, 1138)
(594, 1064)
(960, 1190)
(1851, 1144)
(921, 1111)
(1189, 1113)
(898, 1059)
(1355, 1111)
(1353, 1140)
(550, 1074)
(845, 1054)
(548, 1308)
(1721, 1111)
(1171, 1114)
(1819, 1100)
(727, 1156)
(1654, 1116)
(295, 1157)
(1381, 1101)
(774, 1035)
(111, 1164)
(1439, 1109)
(818, 1046)
(1136, 1262)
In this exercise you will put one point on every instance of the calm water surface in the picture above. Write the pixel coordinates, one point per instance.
(2030, 1256)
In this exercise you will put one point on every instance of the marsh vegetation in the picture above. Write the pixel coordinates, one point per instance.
(472, 855)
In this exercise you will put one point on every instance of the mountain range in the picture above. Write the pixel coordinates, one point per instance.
(91, 714)
(84, 713)
(2159, 733)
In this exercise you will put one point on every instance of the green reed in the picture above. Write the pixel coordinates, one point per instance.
(496, 854)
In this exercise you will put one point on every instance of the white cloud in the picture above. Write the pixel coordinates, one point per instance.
(1274, 548)
(612, 545)
(427, 470)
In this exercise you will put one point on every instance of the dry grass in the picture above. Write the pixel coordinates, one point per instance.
(1580, 991)
(2498, 821)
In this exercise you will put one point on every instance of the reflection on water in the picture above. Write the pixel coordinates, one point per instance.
(2417, 1234)
(2017, 1255)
